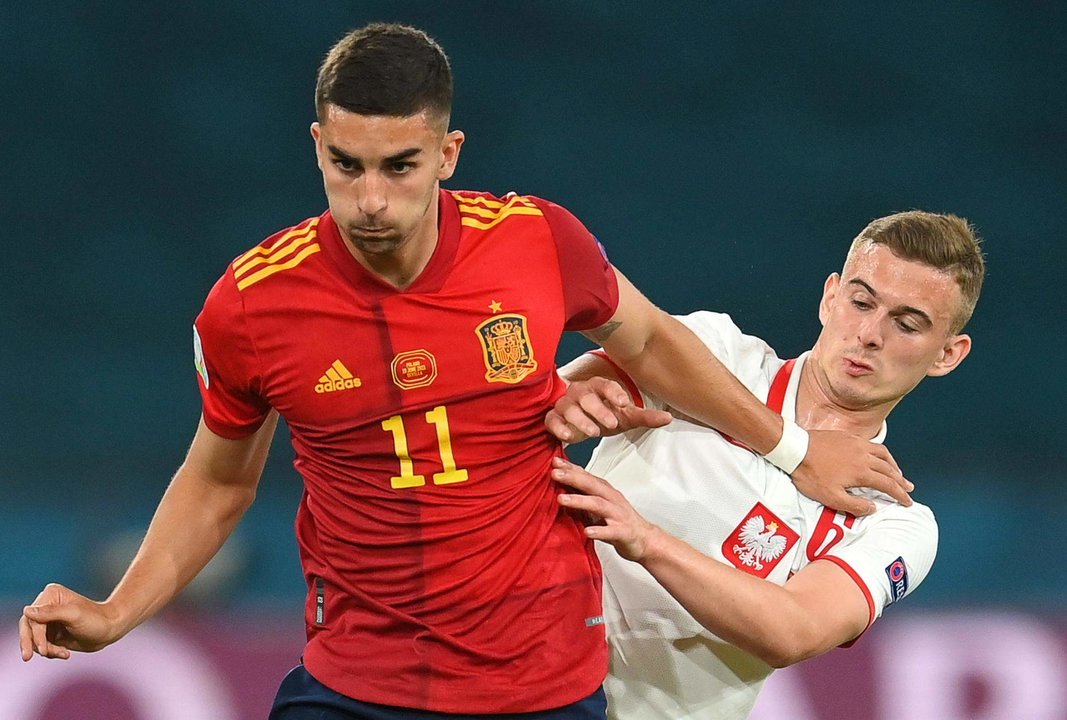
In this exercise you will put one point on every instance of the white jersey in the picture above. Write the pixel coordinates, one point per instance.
(737, 508)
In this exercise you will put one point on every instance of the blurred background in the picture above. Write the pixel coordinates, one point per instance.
(724, 153)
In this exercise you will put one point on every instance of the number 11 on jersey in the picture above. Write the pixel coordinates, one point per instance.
(438, 417)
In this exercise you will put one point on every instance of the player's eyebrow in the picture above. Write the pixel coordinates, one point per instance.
(903, 309)
(403, 155)
(396, 157)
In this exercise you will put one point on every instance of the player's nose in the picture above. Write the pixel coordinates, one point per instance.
(371, 194)
(870, 330)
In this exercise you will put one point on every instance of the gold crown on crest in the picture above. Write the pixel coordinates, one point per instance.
(504, 327)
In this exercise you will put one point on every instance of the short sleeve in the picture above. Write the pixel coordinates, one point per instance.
(226, 363)
(890, 554)
(590, 289)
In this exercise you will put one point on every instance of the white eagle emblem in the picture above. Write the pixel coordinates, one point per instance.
(759, 542)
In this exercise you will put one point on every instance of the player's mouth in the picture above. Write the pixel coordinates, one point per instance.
(371, 231)
(856, 368)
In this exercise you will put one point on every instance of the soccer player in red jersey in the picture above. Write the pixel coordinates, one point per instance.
(407, 335)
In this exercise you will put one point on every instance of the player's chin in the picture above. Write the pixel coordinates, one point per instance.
(376, 244)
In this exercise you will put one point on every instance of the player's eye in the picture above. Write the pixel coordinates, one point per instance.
(906, 326)
(345, 164)
(861, 304)
(402, 167)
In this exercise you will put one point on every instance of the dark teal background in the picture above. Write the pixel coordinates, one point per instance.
(724, 153)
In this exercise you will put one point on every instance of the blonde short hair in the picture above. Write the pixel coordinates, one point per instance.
(945, 242)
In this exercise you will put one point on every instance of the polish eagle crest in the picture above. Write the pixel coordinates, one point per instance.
(759, 542)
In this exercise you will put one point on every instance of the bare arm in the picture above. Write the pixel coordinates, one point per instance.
(818, 609)
(207, 497)
(667, 359)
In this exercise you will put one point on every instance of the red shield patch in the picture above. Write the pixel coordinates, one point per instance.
(759, 542)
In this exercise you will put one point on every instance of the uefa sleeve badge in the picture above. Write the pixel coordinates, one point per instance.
(198, 359)
(897, 572)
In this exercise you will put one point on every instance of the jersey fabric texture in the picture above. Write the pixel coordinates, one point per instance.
(441, 573)
(737, 508)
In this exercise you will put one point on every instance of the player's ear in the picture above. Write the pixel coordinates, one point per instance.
(952, 354)
(450, 145)
(829, 292)
(316, 135)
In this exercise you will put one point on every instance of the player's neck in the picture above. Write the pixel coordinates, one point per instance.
(403, 265)
(819, 409)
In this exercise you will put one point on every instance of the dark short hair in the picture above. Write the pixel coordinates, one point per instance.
(386, 69)
(945, 242)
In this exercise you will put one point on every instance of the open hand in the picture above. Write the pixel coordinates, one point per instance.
(616, 521)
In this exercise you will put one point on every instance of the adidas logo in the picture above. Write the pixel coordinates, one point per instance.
(337, 377)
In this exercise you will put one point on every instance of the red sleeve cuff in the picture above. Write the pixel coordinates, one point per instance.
(863, 588)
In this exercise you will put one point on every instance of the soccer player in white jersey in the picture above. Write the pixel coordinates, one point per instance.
(721, 570)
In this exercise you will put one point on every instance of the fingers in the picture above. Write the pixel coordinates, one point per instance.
(584, 416)
(611, 391)
(45, 623)
(25, 639)
(888, 457)
(569, 474)
(588, 407)
(559, 427)
(884, 476)
(33, 637)
(593, 405)
(851, 504)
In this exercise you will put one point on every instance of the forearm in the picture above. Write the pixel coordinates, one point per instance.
(756, 615)
(675, 365)
(193, 520)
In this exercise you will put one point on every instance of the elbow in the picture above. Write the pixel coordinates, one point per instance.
(779, 658)
(784, 649)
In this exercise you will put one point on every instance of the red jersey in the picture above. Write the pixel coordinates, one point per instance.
(442, 574)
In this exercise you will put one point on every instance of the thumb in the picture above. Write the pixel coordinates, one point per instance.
(641, 417)
(64, 613)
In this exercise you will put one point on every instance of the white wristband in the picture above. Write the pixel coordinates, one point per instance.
(791, 449)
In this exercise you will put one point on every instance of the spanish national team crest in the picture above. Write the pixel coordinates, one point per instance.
(506, 347)
(759, 542)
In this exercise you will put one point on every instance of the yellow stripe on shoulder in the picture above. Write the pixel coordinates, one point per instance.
(483, 218)
(294, 244)
(299, 231)
(473, 222)
(269, 270)
(469, 202)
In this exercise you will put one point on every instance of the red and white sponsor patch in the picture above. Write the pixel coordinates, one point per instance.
(759, 542)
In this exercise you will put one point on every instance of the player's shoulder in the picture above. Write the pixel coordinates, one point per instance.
(888, 512)
(281, 252)
(485, 211)
(709, 320)
(748, 357)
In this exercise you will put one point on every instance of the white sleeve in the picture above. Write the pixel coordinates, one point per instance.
(890, 554)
